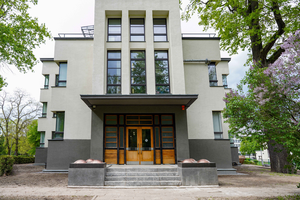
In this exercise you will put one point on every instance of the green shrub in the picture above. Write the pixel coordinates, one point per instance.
(248, 159)
(6, 165)
(255, 161)
(23, 159)
(248, 162)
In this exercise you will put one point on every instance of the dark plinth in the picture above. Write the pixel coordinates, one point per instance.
(87, 174)
(198, 174)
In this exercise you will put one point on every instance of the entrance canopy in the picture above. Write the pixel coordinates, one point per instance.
(139, 100)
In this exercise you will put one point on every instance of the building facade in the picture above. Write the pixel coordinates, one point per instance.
(134, 90)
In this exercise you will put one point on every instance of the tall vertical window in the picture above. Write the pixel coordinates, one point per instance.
(60, 124)
(224, 79)
(217, 125)
(114, 30)
(137, 29)
(46, 84)
(162, 72)
(61, 79)
(138, 72)
(44, 112)
(160, 29)
(212, 73)
(114, 72)
(42, 139)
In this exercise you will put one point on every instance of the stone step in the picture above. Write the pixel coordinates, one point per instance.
(143, 183)
(143, 178)
(109, 169)
(141, 173)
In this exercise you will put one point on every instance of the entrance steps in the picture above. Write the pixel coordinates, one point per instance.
(142, 176)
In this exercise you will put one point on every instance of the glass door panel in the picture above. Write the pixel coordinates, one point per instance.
(132, 140)
(146, 139)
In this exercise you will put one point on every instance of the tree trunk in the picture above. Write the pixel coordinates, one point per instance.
(17, 146)
(7, 146)
(278, 158)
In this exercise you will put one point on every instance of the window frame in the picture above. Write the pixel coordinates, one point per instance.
(158, 34)
(226, 84)
(47, 79)
(137, 34)
(114, 34)
(162, 59)
(220, 125)
(55, 133)
(112, 59)
(138, 59)
(44, 114)
(42, 139)
(58, 78)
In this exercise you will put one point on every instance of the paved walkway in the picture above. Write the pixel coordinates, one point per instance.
(148, 193)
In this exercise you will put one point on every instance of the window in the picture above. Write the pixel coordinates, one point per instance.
(44, 112)
(224, 79)
(160, 29)
(114, 72)
(60, 123)
(137, 29)
(114, 30)
(212, 73)
(217, 125)
(42, 139)
(46, 84)
(61, 79)
(138, 72)
(162, 72)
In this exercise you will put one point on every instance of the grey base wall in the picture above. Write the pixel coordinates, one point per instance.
(217, 151)
(62, 153)
(41, 155)
(182, 144)
(235, 155)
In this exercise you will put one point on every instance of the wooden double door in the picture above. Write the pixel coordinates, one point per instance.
(139, 146)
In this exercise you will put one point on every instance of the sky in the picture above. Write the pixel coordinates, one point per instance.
(67, 17)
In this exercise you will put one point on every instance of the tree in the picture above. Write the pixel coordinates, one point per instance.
(249, 147)
(2, 147)
(261, 26)
(33, 136)
(20, 34)
(17, 112)
(270, 110)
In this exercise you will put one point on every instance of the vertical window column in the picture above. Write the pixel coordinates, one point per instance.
(212, 73)
(160, 29)
(138, 72)
(162, 72)
(61, 79)
(114, 72)
(44, 112)
(224, 79)
(46, 84)
(137, 29)
(114, 30)
(60, 124)
(217, 125)
(42, 139)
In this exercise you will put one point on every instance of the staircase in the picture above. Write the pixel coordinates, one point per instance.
(142, 176)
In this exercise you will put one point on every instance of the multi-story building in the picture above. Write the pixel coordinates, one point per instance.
(134, 90)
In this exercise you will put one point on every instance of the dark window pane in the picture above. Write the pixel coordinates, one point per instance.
(146, 138)
(160, 38)
(114, 80)
(167, 145)
(157, 139)
(136, 21)
(166, 122)
(132, 117)
(114, 64)
(146, 117)
(161, 54)
(116, 21)
(137, 38)
(114, 72)
(122, 119)
(145, 122)
(111, 134)
(166, 117)
(113, 89)
(167, 129)
(111, 139)
(167, 134)
(111, 129)
(121, 137)
(158, 21)
(162, 80)
(167, 139)
(156, 119)
(132, 140)
(138, 89)
(60, 120)
(111, 122)
(111, 145)
(132, 122)
(162, 89)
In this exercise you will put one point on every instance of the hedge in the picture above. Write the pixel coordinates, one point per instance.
(23, 159)
(6, 165)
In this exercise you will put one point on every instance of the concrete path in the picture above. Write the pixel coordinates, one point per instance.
(149, 193)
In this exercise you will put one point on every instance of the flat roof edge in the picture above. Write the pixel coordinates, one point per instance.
(201, 38)
(47, 59)
(226, 59)
(72, 38)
